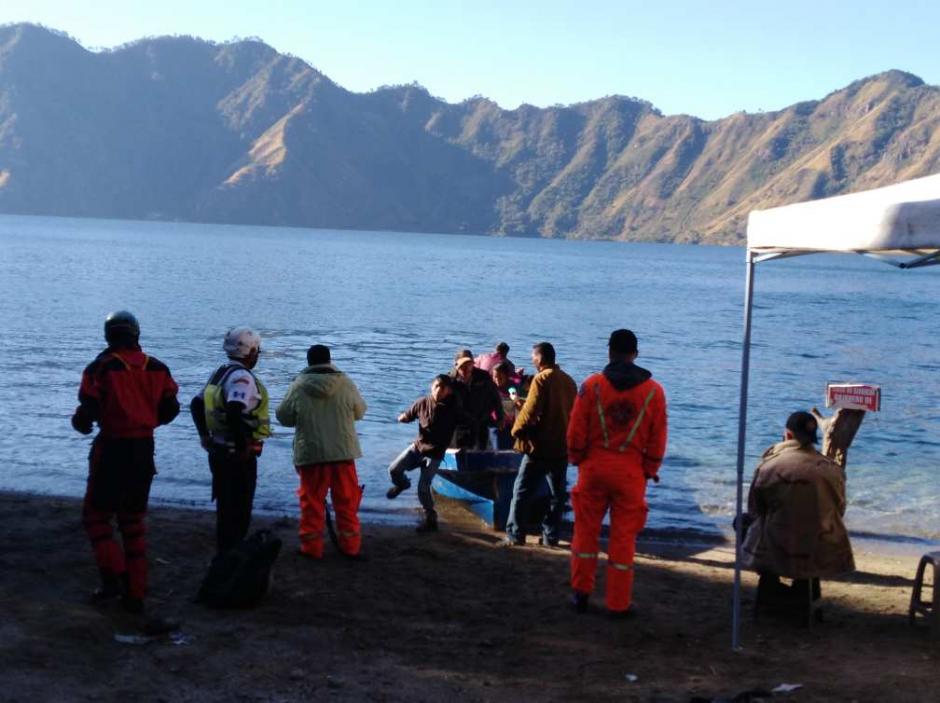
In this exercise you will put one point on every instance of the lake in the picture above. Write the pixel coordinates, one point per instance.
(395, 308)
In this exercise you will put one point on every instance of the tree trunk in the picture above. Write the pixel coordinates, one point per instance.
(838, 432)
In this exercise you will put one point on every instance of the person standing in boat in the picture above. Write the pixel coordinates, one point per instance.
(480, 402)
(129, 394)
(323, 404)
(539, 432)
(231, 416)
(508, 394)
(617, 439)
(437, 414)
(488, 361)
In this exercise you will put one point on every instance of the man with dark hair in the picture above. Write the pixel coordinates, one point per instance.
(487, 361)
(617, 438)
(323, 404)
(437, 415)
(539, 433)
(479, 401)
(796, 502)
(128, 394)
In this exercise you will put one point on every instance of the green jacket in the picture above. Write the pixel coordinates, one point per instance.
(323, 404)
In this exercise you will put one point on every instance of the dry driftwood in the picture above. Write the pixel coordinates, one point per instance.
(838, 432)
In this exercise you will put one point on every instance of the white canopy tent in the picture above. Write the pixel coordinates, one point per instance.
(898, 224)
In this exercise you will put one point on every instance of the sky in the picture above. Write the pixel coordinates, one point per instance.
(706, 58)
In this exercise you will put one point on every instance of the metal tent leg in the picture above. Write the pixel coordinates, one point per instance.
(742, 432)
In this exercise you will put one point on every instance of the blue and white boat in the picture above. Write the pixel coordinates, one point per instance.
(482, 481)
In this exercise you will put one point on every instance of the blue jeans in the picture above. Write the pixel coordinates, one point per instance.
(532, 471)
(409, 460)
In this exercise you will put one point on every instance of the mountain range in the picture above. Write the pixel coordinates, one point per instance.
(178, 128)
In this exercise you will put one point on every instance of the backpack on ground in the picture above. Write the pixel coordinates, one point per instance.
(242, 576)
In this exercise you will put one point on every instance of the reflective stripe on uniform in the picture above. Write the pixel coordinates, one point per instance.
(585, 555)
(343, 533)
(619, 567)
(639, 419)
(600, 414)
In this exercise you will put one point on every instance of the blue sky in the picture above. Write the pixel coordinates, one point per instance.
(709, 59)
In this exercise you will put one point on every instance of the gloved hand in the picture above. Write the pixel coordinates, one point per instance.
(82, 423)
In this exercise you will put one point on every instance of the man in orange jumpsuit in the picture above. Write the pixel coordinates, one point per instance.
(617, 439)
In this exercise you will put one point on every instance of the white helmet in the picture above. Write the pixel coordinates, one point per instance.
(240, 342)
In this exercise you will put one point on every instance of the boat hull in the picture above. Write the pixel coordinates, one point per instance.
(482, 481)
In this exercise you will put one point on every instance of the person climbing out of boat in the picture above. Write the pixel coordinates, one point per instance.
(231, 416)
(539, 431)
(323, 404)
(479, 399)
(502, 375)
(129, 394)
(794, 515)
(437, 414)
(617, 439)
(488, 361)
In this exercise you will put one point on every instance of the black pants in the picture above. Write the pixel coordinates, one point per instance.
(233, 488)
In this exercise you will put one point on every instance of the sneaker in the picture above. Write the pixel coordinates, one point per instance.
(579, 602)
(513, 541)
(157, 625)
(429, 524)
(395, 491)
(549, 542)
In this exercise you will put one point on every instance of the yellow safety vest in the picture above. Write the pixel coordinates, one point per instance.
(257, 419)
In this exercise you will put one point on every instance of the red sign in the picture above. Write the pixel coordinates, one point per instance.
(853, 396)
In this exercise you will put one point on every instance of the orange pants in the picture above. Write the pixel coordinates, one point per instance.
(340, 479)
(622, 490)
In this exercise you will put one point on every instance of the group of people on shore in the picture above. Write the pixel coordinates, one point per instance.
(613, 428)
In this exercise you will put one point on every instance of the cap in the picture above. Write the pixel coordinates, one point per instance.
(461, 360)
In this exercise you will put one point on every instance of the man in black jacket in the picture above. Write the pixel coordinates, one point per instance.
(437, 415)
(480, 401)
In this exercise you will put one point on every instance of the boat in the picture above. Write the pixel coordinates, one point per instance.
(482, 481)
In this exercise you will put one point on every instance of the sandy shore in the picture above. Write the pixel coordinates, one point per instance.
(447, 616)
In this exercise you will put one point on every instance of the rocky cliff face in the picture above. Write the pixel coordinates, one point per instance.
(179, 128)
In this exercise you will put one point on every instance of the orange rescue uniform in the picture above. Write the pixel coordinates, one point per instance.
(617, 438)
(340, 479)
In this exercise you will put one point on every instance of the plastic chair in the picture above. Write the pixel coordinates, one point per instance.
(929, 609)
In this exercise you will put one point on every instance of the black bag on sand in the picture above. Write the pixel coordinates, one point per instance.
(242, 576)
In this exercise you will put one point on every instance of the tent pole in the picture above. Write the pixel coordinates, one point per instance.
(742, 431)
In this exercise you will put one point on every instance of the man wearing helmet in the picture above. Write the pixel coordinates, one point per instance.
(128, 394)
(231, 415)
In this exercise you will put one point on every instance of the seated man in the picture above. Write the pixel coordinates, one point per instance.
(796, 502)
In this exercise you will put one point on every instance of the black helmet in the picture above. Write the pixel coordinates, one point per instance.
(121, 324)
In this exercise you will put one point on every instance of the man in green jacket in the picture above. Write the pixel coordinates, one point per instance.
(323, 404)
(539, 432)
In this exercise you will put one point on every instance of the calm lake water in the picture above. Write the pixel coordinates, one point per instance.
(395, 307)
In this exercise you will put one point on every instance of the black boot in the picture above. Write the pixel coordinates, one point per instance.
(111, 588)
(429, 524)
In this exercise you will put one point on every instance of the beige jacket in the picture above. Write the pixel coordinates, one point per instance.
(797, 498)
